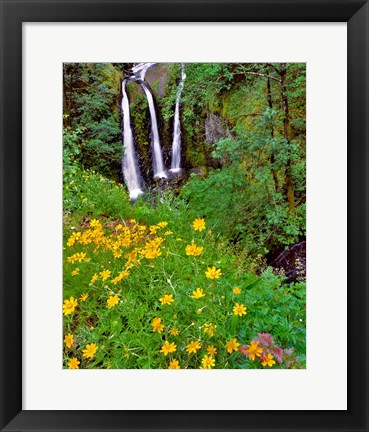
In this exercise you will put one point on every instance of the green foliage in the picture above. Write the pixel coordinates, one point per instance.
(203, 86)
(124, 332)
(91, 104)
(72, 144)
(242, 193)
(168, 102)
(89, 193)
(243, 211)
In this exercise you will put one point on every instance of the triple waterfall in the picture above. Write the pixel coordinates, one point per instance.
(130, 165)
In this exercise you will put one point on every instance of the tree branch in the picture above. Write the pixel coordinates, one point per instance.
(250, 114)
(263, 75)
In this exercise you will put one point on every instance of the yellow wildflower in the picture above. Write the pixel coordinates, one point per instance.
(211, 350)
(69, 340)
(167, 299)
(152, 248)
(198, 224)
(152, 253)
(192, 347)
(239, 309)
(168, 348)
(95, 223)
(157, 325)
(208, 362)
(174, 332)
(210, 329)
(73, 363)
(268, 360)
(105, 274)
(232, 345)
(125, 240)
(155, 243)
(132, 258)
(95, 277)
(213, 273)
(254, 350)
(90, 350)
(194, 250)
(112, 300)
(84, 297)
(75, 272)
(79, 256)
(69, 306)
(198, 293)
(168, 233)
(115, 280)
(123, 274)
(117, 253)
(153, 229)
(236, 290)
(174, 364)
(162, 224)
(73, 238)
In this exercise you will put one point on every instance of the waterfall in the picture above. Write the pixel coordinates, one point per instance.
(131, 171)
(157, 158)
(139, 71)
(176, 146)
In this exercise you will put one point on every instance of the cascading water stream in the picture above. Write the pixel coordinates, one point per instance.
(157, 158)
(139, 71)
(176, 146)
(131, 171)
(130, 167)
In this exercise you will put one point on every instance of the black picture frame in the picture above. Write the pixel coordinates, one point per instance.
(13, 14)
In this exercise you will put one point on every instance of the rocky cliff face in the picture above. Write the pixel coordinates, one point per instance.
(157, 78)
(196, 146)
(215, 128)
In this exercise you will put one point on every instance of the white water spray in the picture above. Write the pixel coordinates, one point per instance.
(157, 158)
(131, 171)
(130, 167)
(176, 145)
(139, 71)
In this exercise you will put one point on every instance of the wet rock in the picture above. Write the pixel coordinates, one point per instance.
(174, 182)
(293, 262)
(215, 128)
(157, 77)
(199, 171)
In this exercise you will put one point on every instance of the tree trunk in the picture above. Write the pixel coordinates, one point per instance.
(272, 158)
(286, 125)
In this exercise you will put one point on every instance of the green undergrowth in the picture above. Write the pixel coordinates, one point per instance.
(154, 285)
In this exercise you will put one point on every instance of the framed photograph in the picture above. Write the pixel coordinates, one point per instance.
(184, 186)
